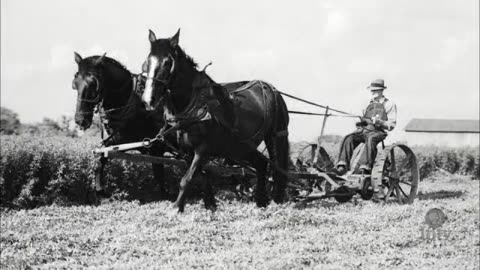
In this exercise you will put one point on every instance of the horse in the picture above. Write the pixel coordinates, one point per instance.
(102, 82)
(216, 122)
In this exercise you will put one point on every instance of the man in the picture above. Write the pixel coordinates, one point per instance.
(378, 117)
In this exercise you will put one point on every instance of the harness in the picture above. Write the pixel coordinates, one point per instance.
(196, 110)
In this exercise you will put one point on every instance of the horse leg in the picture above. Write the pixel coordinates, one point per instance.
(272, 153)
(278, 145)
(260, 164)
(208, 196)
(196, 162)
(280, 174)
(99, 173)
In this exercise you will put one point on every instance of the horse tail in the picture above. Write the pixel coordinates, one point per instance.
(281, 146)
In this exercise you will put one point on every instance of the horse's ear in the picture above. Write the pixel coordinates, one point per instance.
(151, 36)
(175, 38)
(99, 59)
(78, 58)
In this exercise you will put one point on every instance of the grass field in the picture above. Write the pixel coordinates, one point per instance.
(324, 234)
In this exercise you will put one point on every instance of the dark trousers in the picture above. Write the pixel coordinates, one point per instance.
(370, 137)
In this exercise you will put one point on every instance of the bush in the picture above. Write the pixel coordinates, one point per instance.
(41, 170)
(36, 170)
(464, 161)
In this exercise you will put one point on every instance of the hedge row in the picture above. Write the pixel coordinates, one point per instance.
(44, 170)
(464, 161)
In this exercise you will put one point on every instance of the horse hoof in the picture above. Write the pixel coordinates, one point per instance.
(171, 212)
(178, 207)
(262, 203)
(211, 207)
(279, 200)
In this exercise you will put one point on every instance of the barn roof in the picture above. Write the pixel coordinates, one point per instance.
(443, 125)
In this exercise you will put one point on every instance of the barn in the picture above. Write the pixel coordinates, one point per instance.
(443, 132)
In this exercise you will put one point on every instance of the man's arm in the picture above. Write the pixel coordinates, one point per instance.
(389, 124)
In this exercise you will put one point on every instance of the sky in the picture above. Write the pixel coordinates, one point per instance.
(324, 51)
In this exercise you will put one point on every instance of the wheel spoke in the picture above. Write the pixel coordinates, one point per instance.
(399, 196)
(389, 192)
(400, 187)
(406, 183)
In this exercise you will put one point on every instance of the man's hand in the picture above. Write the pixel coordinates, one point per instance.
(362, 123)
(379, 122)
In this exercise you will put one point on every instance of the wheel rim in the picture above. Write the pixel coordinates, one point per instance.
(307, 155)
(397, 171)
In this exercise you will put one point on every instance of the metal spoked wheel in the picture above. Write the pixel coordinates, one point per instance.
(396, 171)
(314, 155)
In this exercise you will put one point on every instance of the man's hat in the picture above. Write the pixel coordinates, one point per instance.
(377, 84)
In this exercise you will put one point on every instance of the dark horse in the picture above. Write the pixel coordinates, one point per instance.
(102, 81)
(217, 122)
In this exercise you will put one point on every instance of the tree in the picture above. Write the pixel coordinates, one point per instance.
(9, 123)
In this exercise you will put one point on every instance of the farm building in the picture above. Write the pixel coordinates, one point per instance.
(443, 132)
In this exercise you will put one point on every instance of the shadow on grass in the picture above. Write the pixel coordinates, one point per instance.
(442, 194)
(322, 203)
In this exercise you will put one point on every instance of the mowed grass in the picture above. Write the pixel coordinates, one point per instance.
(323, 235)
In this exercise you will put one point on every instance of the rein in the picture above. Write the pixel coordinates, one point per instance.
(140, 75)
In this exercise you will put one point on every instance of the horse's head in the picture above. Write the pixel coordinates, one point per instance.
(87, 82)
(159, 67)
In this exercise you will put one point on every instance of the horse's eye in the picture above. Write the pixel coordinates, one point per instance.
(76, 74)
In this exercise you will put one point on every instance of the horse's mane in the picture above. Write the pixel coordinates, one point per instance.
(190, 60)
(106, 60)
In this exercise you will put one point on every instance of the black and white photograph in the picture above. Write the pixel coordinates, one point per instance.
(313, 134)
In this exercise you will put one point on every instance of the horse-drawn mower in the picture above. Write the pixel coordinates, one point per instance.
(394, 175)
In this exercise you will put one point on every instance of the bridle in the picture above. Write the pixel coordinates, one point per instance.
(165, 83)
(98, 99)
(140, 90)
